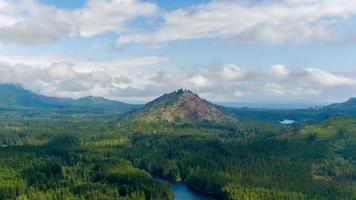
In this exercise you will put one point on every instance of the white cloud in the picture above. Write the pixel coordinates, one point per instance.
(58, 79)
(65, 79)
(231, 72)
(30, 22)
(107, 15)
(60, 75)
(199, 81)
(325, 78)
(255, 21)
(272, 21)
(84, 64)
(34, 32)
(289, 90)
(278, 71)
(238, 94)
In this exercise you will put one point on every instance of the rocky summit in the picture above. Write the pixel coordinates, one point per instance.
(181, 106)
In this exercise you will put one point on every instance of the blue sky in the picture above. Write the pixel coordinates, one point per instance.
(70, 4)
(133, 50)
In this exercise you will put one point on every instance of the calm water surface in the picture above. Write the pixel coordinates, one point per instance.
(182, 192)
(287, 122)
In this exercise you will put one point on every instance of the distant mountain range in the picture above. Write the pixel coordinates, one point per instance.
(181, 106)
(347, 107)
(300, 115)
(272, 105)
(16, 97)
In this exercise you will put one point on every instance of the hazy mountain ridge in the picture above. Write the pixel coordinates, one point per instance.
(347, 106)
(181, 106)
(301, 115)
(15, 97)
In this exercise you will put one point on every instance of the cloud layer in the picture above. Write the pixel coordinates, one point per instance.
(137, 78)
(268, 21)
(226, 82)
(30, 22)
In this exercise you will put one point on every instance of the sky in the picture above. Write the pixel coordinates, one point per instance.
(224, 50)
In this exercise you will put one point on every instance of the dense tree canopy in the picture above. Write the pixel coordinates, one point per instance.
(92, 156)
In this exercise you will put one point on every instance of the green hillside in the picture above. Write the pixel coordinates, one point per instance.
(339, 126)
(332, 128)
(96, 156)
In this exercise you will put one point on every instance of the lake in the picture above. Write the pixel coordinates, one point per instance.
(287, 122)
(182, 192)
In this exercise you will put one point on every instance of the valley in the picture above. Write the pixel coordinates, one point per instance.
(96, 152)
(177, 100)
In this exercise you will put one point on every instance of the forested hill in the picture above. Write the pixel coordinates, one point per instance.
(181, 106)
(89, 156)
(15, 97)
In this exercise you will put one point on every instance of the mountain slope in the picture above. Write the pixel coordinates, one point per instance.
(181, 106)
(347, 107)
(98, 103)
(15, 97)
